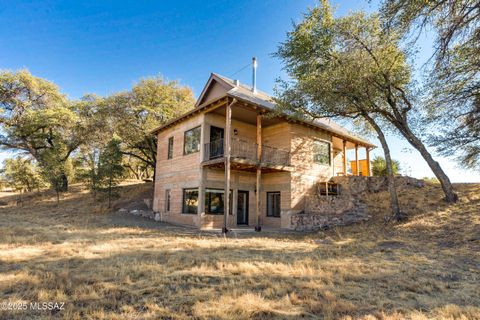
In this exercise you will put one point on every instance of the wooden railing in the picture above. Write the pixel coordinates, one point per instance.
(243, 149)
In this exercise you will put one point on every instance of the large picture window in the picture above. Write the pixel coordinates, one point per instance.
(215, 201)
(190, 201)
(321, 152)
(191, 141)
(170, 148)
(273, 204)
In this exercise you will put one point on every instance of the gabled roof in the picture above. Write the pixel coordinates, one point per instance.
(259, 98)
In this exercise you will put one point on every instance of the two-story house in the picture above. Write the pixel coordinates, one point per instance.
(232, 142)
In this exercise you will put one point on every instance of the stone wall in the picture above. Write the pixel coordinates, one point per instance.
(323, 212)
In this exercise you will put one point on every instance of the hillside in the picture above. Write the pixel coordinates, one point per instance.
(107, 265)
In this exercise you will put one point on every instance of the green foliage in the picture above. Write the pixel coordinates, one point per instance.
(431, 180)
(453, 87)
(379, 167)
(22, 175)
(110, 170)
(135, 113)
(37, 119)
(353, 67)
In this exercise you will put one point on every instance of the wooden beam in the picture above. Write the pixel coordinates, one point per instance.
(226, 195)
(201, 187)
(357, 162)
(259, 173)
(344, 157)
(369, 169)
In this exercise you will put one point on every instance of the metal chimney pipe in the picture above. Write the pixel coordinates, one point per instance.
(254, 75)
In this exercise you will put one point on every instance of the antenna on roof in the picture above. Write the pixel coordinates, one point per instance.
(254, 75)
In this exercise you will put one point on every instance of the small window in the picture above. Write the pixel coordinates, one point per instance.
(214, 201)
(170, 148)
(321, 152)
(273, 204)
(190, 201)
(191, 142)
(167, 200)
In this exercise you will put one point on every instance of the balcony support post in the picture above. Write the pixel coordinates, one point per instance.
(344, 158)
(259, 173)
(369, 169)
(201, 186)
(357, 162)
(226, 195)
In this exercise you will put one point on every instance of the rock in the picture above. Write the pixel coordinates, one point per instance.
(157, 216)
(323, 241)
(148, 203)
(123, 210)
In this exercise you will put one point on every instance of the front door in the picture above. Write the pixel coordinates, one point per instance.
(242, 207)
(216, 142)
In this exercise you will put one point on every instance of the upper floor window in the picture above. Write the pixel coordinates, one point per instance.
(170, 148)
(321, 152)
(191, 143)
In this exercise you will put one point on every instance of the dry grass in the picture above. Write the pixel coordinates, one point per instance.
(106, 268)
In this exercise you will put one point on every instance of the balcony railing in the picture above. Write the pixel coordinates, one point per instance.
(247, 150)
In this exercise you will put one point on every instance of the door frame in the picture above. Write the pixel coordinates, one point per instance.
(247, 195)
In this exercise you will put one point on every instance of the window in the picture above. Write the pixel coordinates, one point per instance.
(214, 201)
(321, 152)
(167, 200)
(273, 204)
(190, 201)
(191, 142)
(170, 148)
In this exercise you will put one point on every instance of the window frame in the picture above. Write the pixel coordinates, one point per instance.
(168, 199)
(184, 190)
(185, 153)
(272, 215)
(207, 205)
(329, 152)
(170, 148)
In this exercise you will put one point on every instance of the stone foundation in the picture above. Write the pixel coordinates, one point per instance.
(323, 212)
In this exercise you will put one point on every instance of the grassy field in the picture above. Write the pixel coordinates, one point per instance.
(105, 266)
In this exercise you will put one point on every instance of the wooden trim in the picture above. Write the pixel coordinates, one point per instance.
(259, 171)
(344, 157)
(206, 107)
(369, 169)
(228, 129)
(357, 161)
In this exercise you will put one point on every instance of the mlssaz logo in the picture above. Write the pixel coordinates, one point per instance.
(48, 306)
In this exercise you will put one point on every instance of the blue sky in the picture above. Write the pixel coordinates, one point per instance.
(106, 46)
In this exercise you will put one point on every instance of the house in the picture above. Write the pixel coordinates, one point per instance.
(233, 141)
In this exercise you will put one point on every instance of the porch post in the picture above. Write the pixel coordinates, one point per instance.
(357, 162)
(344, 158)
(369, 170)
(259, 173)
(226, 195)
(201, 186)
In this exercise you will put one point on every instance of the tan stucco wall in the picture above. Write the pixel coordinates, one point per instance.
(306, 173)
(176, 174)
(185, 171)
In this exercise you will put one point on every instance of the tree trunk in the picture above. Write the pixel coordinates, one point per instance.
(450, 195)
(64, 183)
(397, 214)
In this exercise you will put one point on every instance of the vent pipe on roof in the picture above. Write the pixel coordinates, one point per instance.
(254, 75)
(236, 82)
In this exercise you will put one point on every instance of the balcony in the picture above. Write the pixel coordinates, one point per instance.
(245, 152)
